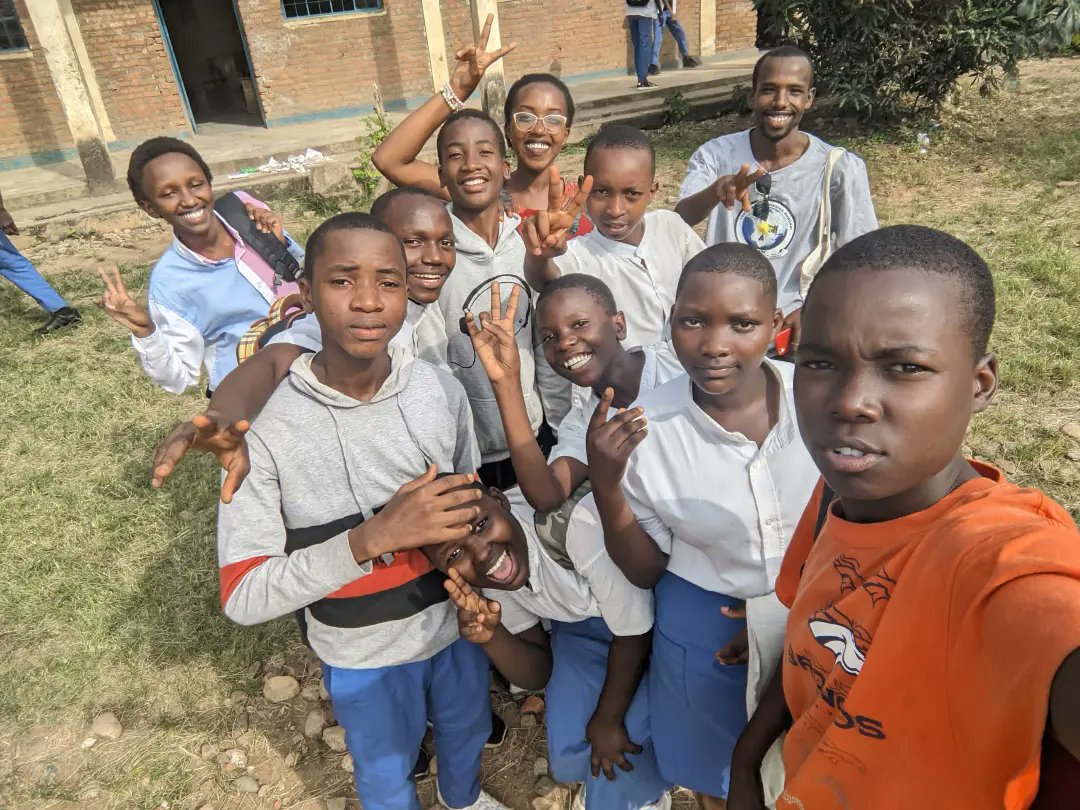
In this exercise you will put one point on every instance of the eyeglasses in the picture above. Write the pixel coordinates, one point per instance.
(526, 121)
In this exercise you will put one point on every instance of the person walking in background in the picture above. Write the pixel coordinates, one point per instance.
(641, 15)
(667, 17)
(17, 269)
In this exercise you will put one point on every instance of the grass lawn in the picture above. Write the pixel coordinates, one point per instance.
(110, 599)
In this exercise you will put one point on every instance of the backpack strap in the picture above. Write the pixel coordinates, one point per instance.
(283, 312)
(284, 264)
(823, 243)
(827, 496)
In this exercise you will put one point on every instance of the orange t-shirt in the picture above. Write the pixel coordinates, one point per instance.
(919, 652)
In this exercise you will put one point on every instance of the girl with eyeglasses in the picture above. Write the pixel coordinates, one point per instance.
(538, 114)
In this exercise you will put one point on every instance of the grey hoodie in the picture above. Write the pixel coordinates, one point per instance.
(477, 263)
(321, 463)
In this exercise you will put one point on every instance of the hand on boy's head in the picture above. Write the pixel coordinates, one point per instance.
(266, 221)
(474, 60)
(494, 337)
(478, 618)
(426, 511)
(206, 433)
(609, 442)
(736, 187)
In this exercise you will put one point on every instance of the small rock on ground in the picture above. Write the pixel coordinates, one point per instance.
(1072, 430)
(1073, 455)
(334, 737)
(540, 766)
(311, 691)
(207, 751)
(544, 785)
(323, 694)
(89, 742)
(335, 804)
(347, 764)
(528, 721)
(233, 761)
(280, 688)
(291, 759)
(246, 784)
(106, 725)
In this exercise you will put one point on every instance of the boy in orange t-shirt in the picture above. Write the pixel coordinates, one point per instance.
(934, 634)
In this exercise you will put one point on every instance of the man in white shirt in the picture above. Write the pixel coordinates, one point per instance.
(593, 666)
(781, 200)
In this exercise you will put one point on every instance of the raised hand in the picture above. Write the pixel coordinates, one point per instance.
(610, 744)
(493, 338)
(609, 442)
(546, 232)
(206, 433)
(425, 511)
(474, 60)
(266, 221)
(732, 187)
(478, 618)
(121, 307)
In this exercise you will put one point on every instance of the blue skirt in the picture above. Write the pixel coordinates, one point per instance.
(698, 706)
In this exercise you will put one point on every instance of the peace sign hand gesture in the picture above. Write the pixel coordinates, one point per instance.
(494, 339)
(732, 187)
(474, 60)
(478, 618)
(545, 234)
(609, 442)
(121, 307)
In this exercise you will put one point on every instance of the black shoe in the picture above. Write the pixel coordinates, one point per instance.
(654, 70)
(498, 732)
(422, 768)
(690, 62)
(61, 319)
(645, 85)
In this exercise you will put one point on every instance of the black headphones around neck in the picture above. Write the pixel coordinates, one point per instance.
(485, 286)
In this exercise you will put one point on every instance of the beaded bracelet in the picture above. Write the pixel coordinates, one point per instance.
(452, 101)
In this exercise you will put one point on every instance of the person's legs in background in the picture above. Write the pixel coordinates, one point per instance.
(657, 41)
(641, 30)
(17, 269)
(676, 29)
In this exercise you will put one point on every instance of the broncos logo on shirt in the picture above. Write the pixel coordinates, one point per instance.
(842, 636)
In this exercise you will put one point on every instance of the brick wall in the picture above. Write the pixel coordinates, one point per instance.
(33, 120)
(330, 62)
(133, 70)
(736, 25)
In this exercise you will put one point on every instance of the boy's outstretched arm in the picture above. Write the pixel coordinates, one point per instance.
(397, 156)
(525, 658)
(1065, 704)
(609, 444)
(606, 730)
(769, 721)
(544, 486)
(220, 429)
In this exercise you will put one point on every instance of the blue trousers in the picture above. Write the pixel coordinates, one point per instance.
(384, 713)
(676, 29)
(641, 30)
(579, 666)
(698, 706)
(17, 269)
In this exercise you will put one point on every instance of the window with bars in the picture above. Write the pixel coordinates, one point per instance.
(12, 36)
(317, 8)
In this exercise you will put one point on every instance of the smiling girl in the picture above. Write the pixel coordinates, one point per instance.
(208, 286)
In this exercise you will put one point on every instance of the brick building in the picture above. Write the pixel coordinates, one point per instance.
(75, 73)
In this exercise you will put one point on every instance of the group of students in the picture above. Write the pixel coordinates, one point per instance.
(531, 424)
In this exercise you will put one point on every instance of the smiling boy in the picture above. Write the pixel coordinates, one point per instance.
(341, 492)
(933, 644)
(783, 229)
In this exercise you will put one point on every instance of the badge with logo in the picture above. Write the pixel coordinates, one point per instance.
(769, 228)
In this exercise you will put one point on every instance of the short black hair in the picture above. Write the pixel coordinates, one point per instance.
(734, 258)
(784, 52)
(155, 148)
(383, 203)
(926, 250)
(350, 220)
(620, 136)
(593, 287)
(537, 78)
(461, 115)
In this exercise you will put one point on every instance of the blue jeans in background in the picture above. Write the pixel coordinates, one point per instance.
(641, 31)
(676, 29)
(17, 269)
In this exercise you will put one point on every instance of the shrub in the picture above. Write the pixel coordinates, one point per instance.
(880, 59)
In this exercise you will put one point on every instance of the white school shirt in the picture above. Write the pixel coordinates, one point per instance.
(596, 586)
(661, 365)
(789, 233)
(720, 506)
(422, 334)
(650, 9)
(642, 279)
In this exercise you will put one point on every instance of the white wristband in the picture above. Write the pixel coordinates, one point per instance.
(452, 101)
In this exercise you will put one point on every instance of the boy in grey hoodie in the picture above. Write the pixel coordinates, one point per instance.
(342, 490)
